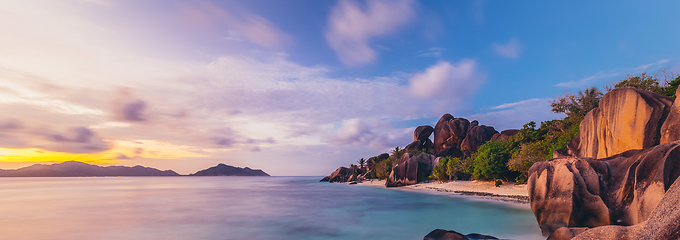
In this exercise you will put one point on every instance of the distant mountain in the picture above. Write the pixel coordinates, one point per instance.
(226, 170)
(80, 169)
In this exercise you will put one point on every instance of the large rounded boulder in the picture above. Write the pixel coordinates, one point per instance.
(449, 132)
(476, 136)
(627, 118)
(505, 134)
(408, 168)
(422, 133)
(623, 189)
(670, 130)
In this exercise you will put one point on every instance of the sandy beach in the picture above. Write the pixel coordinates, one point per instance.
(508, 192)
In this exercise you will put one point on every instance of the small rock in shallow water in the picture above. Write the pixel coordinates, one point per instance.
(441, 234)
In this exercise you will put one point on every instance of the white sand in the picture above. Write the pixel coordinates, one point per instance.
(483, 189)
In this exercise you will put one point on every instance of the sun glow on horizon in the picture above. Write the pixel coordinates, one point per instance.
(121, 151)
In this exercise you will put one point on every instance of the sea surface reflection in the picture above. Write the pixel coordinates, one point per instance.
(240, 208)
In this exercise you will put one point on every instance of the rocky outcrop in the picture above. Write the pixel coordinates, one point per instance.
(476, 136)
(623, 189)
(627, 118)
(441, 234)
(422, 133)
(662, 224)
(449, 133)
(505, 134)
(407, 169)
(421, 139)
(404, 173)
(342, 174)
(670, 130)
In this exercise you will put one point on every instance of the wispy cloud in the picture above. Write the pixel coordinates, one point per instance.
(608, 75)
(350, 28)
(512, 49)
(587, 81)
(432, 52)
(245, 24)
(514, 115)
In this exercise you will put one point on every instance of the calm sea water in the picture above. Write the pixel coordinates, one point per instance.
(240, 208)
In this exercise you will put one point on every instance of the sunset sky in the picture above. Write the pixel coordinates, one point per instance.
(298, 87)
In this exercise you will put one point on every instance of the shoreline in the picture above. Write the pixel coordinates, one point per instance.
(506, 193)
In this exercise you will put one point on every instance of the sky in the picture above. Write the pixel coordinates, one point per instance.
(298, 87)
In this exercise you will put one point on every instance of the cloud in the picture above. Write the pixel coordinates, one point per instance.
(350, 28)
(76, 135)
(122, 156)
(587, 81)
(128, 108)
(72, 140)
(132, 111)
(445, 80)
(432, 52)
(241, 24)
(9, 124)
(514, 115)
(512, 49)
(372, 133)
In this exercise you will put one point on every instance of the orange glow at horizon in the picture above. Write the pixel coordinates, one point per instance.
(152, 149)
(38, 155)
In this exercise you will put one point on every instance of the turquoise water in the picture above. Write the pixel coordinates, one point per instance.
(241, 208)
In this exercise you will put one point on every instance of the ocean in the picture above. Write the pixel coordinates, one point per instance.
(241, 208)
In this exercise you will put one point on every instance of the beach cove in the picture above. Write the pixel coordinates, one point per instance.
(508, 192)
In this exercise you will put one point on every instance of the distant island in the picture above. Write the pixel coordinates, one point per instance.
(81, 169)
(226, 170)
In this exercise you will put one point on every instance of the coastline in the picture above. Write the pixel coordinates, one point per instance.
(508, 192)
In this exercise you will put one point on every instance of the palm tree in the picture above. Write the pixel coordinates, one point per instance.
(395, 151)
(361, 163)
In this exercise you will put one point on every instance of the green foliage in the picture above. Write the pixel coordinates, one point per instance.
(383, 169)
(650, 83)
(439, 171)
(498, 183)
(490, 160)
(671, 87)
(577, 106)
(449, 168)
(361, 163)
(642, 81)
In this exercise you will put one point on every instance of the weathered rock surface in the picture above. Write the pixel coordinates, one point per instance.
(505, 134)
(627, 118)
(406, 170)
(404, 173)
(664, 223)
(427, 145)
(476, 136)
(623, 189)
(670, 130)
(441, 234)
(450, 151)
(449, 132)
(342, 174)
(422, 133)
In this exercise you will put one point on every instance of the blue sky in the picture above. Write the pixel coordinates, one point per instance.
(298, 87)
